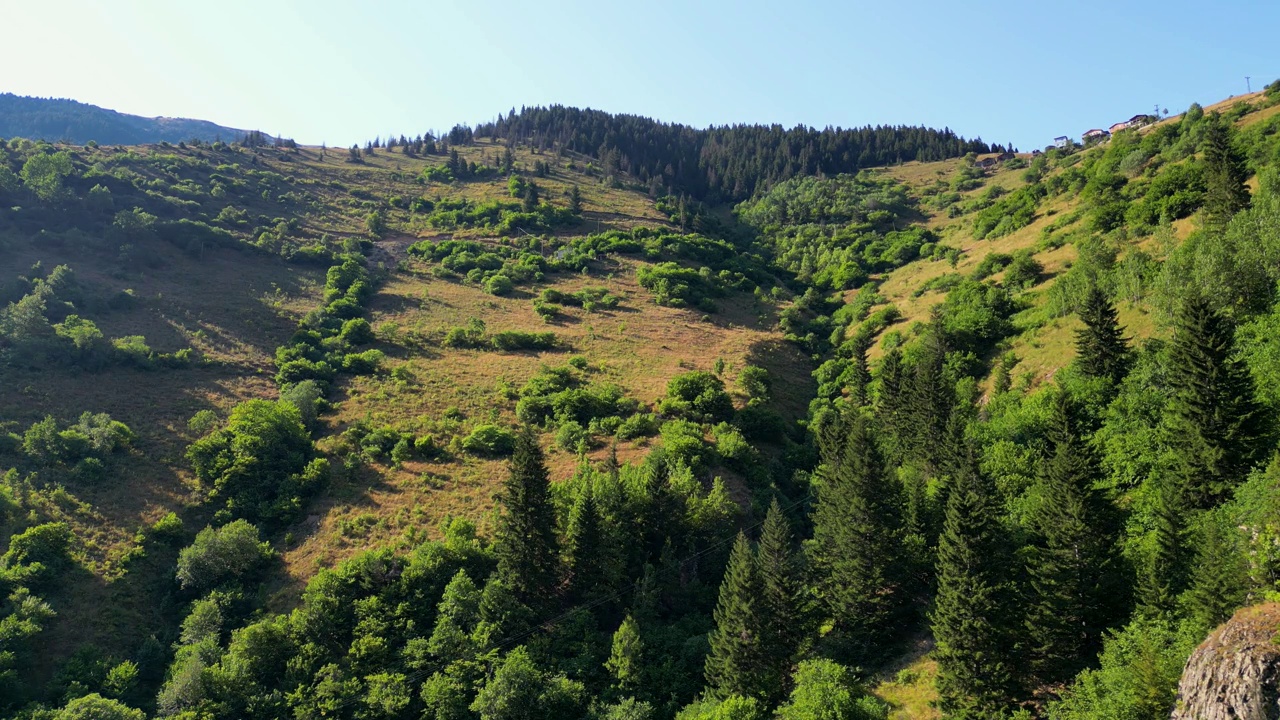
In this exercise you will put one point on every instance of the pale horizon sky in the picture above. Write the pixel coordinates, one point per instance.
(339, 72)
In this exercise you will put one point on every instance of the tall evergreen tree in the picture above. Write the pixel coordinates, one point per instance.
(1224, 173)
(1218, 578)
(584, 548)
(891, 404)
(1075, 592)
(530, 197)
(1218, 428)
(930, 399)
(859, 374)
(575, 200)
(973, 609)
(1101, 348)
(1161, 578)
(855, 548)
(782, 602)
(735, 665)
(525, 538)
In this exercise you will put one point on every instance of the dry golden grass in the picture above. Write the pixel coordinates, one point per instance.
(638, 346)
(232, 311)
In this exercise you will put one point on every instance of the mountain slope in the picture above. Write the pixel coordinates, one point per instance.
(76, 122)
(321, 362)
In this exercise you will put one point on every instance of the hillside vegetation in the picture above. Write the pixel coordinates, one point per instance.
(586, 416)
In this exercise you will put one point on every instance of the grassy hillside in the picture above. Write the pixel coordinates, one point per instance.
(319, 363)
(234, 300)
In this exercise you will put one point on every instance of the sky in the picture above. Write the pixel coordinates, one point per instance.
(339, 71)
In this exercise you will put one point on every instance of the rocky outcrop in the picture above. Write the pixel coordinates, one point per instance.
(1235, 673)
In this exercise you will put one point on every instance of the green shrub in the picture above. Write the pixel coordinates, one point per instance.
(362, 363)
(357, 331)
(572, 436)
(515, 340)
(699, 395)
(499, 285)
(168, 527)
(489, 440)
(1023, 271)
(221, 555)
(754, 381)
(545, 310)
(37, 551)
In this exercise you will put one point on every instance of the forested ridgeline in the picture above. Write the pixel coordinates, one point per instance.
(727, 163)
(947, 532)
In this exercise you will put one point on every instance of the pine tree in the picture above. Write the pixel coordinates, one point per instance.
(530, 197)
(972, 611)
(736, 661)
(1224, 174)
(525, 539)
(1074, 590)
(584, 548)
(782, 602)
(1218, 429)
(1218, 580)
(930, 399)
(891, 404)
(856, 535)
(575, 200)
(1101, 348)
(1162, 578)
(859, 374)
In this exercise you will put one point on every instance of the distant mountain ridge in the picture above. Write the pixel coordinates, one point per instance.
(76, 122)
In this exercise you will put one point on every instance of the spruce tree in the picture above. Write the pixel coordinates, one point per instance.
(973, 609)
(1219, 577)
(782, 602)
(530, 197)
(855, 548)
(1101, 348)
(1075, 594)
(736, 662)
(1224, 174)
(858, 372)
(891, 405)
(930, 399)
(584, 548)
(575, 200)
(525, 538)
(1162, 577)
(1218, 429)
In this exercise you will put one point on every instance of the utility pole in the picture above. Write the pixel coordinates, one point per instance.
(1247, 84)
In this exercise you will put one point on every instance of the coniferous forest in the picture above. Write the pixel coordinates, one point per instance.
(575, 415)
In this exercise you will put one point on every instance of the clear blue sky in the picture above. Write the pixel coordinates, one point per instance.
(343, 71)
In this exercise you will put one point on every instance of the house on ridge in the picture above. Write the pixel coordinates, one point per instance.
(1095, 135)
(1118, 127)
(1061, 141)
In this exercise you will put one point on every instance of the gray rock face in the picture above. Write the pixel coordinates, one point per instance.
(1235, 673)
